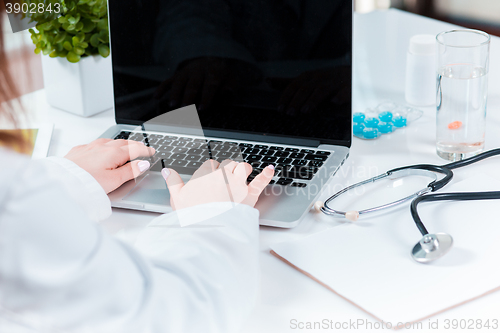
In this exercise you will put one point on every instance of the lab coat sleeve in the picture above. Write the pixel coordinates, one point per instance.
(60, 272)
(79, 185)
(209, 270)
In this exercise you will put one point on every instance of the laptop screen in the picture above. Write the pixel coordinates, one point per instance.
(279, 68)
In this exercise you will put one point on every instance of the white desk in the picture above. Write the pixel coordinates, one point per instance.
(381, 41)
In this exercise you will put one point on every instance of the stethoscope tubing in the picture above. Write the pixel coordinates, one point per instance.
(472, 160)
(430, 247)
(453, 196)
(407, 170)
(422, 195)
(436, 184)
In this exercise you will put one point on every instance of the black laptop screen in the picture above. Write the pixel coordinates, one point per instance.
(279, 68)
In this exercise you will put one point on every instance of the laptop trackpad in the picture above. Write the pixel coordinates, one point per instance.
(151, 189)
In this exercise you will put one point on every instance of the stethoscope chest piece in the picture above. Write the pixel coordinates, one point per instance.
(432, 247)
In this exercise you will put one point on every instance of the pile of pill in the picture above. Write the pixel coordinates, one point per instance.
(375, 122)
(371, 127)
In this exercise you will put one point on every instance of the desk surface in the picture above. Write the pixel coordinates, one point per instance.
(380, 44)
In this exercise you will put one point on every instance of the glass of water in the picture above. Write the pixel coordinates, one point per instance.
(462, 87)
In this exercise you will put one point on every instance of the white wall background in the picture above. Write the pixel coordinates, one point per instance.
(480, 10)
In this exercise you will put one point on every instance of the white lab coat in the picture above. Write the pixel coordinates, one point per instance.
(60, 272)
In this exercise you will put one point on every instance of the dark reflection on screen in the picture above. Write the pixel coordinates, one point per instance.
(272, 67)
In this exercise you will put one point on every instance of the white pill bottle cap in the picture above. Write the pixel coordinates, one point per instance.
(421, 71)
(423, 45)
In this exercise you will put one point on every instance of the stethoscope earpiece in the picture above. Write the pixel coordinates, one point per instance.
(432, 247)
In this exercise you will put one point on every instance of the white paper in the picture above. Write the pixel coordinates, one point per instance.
(369, 261)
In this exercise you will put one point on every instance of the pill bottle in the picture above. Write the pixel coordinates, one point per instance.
(421, 71)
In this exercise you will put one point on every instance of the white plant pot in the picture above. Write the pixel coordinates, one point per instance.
(84, 88)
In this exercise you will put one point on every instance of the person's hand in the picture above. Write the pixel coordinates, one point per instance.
(214, 182)
(201, 81)
(106, 160)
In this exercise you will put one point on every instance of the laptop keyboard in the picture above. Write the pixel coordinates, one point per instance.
(293, 166)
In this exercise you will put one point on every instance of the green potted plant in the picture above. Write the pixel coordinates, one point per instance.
(81, 31)
(75, 49)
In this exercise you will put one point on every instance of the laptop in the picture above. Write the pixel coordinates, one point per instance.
(265, 82)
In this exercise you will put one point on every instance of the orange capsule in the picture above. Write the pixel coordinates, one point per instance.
(455, 125)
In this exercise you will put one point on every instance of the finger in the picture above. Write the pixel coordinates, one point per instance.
(174, 182)
(134, 151)
(163, 88)
(228, 166)
(226, 162)
(242, 171)
(193, 89)
(259, 183)
(287, 95)
(125, 173)
(178, 85)
(210, 165)
(207, 167)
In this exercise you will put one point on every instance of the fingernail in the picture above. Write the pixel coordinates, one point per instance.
(270, 166)
(143, 165)
(165, 173)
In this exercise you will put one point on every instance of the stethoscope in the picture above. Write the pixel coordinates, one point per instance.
(431, 246)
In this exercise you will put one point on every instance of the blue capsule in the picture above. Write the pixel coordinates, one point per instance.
(372, 125)
(371, 122)
(385, 127)
(358, 117)
(386, 116)
(370, 133)
(399, 121)
(357, 128)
